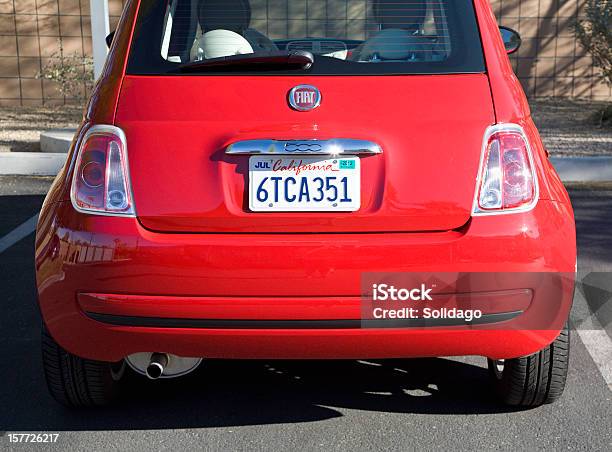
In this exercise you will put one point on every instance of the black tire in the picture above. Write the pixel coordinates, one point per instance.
(78, 382)
(536, 379)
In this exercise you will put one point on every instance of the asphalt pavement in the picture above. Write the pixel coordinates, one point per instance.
(308, 405)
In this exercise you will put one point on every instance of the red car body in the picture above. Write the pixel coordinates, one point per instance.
(195, 273)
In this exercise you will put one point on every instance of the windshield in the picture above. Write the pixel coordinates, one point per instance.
(345, 36)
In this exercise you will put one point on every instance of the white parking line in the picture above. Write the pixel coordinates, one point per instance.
(20, 232)
(599, 346)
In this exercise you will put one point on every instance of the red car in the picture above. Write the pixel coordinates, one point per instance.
(278, 180)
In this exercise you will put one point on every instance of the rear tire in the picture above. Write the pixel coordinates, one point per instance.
(79, 382)
(533, 380)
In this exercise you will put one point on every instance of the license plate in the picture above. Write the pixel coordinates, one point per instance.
(308, 184)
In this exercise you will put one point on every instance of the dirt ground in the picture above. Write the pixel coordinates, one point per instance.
(570, 128)
(567, 127)
(20, 128)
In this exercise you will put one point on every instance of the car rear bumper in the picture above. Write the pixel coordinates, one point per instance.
(109, 287)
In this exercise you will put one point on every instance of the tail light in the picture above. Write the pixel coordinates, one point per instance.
(507, 181)
(101, 179)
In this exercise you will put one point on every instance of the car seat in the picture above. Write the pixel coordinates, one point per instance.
(400, 37)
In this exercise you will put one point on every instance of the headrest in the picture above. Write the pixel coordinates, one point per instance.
(222, 43)
(405, 14)
(233, 15)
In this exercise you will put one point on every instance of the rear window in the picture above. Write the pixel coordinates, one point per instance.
(346, 37)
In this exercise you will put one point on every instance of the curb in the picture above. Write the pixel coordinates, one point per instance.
(31, 163)
(583, 169)
(570, 169)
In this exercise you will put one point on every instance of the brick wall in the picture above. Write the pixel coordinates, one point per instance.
(550, 62)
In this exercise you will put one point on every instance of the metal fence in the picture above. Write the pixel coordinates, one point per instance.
(30, 35)
(550, 63)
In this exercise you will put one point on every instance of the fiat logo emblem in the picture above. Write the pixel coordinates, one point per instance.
(304, 97)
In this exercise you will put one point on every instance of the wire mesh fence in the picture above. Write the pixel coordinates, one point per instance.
(550, 62)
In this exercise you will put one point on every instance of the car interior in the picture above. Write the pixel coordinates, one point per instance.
(373, 31)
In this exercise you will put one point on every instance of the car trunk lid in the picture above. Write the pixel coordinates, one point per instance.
(430, 129)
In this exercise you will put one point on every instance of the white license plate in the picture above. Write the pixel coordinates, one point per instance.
(308, 184)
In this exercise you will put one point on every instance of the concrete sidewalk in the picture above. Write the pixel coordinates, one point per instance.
(55, 143)
(583, 169)
(31, 163)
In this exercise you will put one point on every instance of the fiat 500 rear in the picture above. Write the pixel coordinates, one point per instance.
(256, 181)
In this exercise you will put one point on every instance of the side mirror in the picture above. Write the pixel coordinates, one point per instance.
(109, 38)
(512, 40)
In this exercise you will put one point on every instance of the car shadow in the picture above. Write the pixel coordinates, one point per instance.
(224, 393)
(593, 222)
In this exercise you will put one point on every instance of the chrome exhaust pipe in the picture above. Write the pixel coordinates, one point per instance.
(157, 364)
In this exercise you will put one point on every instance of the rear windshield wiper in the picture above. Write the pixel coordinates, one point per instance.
(267, 60)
